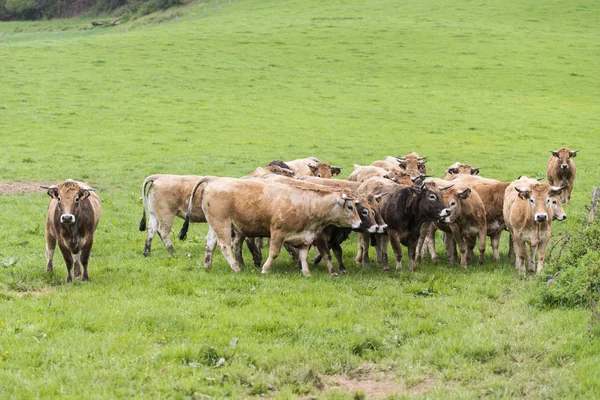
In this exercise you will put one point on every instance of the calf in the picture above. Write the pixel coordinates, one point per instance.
(73, 215)
(311, 166)
(167, 197)
(491, 193)
(528, 215)
(561, 170)
(466, 224)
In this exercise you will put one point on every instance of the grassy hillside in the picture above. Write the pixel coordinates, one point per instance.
(222, 91)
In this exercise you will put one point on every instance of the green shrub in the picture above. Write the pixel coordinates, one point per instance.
(572, 276)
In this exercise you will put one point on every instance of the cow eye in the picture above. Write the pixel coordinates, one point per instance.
(432, 197)
(554, 201)
(532, 201)
(365, 213)
(59, 199)
(77, 199)
(318, 175)
(452, 203)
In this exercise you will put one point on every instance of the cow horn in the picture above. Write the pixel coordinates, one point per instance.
(422, 162)
(557, 188)
(540, 179)
(522, 190)
(345, 197)
(446, 187)
(378, 196)
(423, 158)
(401, 159)
(416, 178)
(575, 151)
(49, 187)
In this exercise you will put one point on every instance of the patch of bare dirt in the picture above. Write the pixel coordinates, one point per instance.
(22, 187)
(376, 384)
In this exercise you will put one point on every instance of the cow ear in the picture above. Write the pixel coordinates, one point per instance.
(313, 167)
(452, 171)
(554, 153)
(464, 193)
(474, 171)
(83, 194)
(335, 170)
(523, 193)
(573, 153)
(53, 192)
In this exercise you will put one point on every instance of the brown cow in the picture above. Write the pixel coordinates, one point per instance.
(166, 198)
(491, 192)
(73, 215)
(561, 170)
(460, 168)
(254, 208)
(528, 215)
(412, 162)
(466, 224)
(311, 166)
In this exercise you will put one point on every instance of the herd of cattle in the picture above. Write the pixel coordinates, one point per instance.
(296, 205)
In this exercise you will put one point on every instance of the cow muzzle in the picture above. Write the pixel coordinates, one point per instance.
(564, 166)
(382, 229)
(560, 217)
(445, 215)
(67, 219)
(541, 217)
(372, 229)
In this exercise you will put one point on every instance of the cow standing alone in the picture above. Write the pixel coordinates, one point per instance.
(73, 215)
(561, 170)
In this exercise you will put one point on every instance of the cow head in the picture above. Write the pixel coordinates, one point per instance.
(413, 162)
(539, 196)
(370, 215)
(401, 177)
(324, 170)
(69, 196)
(349, 215)
(279, 170)
(460, 168)
(564, 156)
(454, 198)
(432, 206)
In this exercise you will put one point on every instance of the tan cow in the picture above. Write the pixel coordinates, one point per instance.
(167, 198)
(412, 162)
(73, 215)
(460, 168)
(466, 224)
(311, 166)
(561, 170)
(255, 208)
(362, 173)
(528, 216)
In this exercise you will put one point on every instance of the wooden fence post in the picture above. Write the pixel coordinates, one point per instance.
(594, 206)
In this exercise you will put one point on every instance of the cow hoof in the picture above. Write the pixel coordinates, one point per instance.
(207, 266)
(264, 272)
(386, 268)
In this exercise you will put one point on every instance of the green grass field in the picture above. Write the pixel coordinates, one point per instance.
(494, 83)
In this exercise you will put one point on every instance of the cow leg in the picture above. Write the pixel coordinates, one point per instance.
(254, 245)
(362, 254)
(520, 255)
(396, 247)
(462, 246)
(303, 255)
(337, 250)
(50, 247)
(532, 251)
(150, 232)
(275, 244)
(511, 247)
(317, 259)
(412, 249)
(211, 243)
(68, 257)
(430, 243)
(77, 265)
(238, 241)
(321, 244)
(470, 242)
(495, 246)
(420, 244)
(223, 232)
(382, 250)
(450, 246)
(85, 256)
(541, 253)
(164, 228)
(482, 243)
(293, 252)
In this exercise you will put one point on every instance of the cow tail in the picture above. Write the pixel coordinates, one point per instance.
(149, 179)
(186, 224)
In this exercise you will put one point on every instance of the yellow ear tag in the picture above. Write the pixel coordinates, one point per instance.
(414, 194)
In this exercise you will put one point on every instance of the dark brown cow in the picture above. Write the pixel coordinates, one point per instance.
(561, 170)
(73, 215)
(311, 166)
(167, 198)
